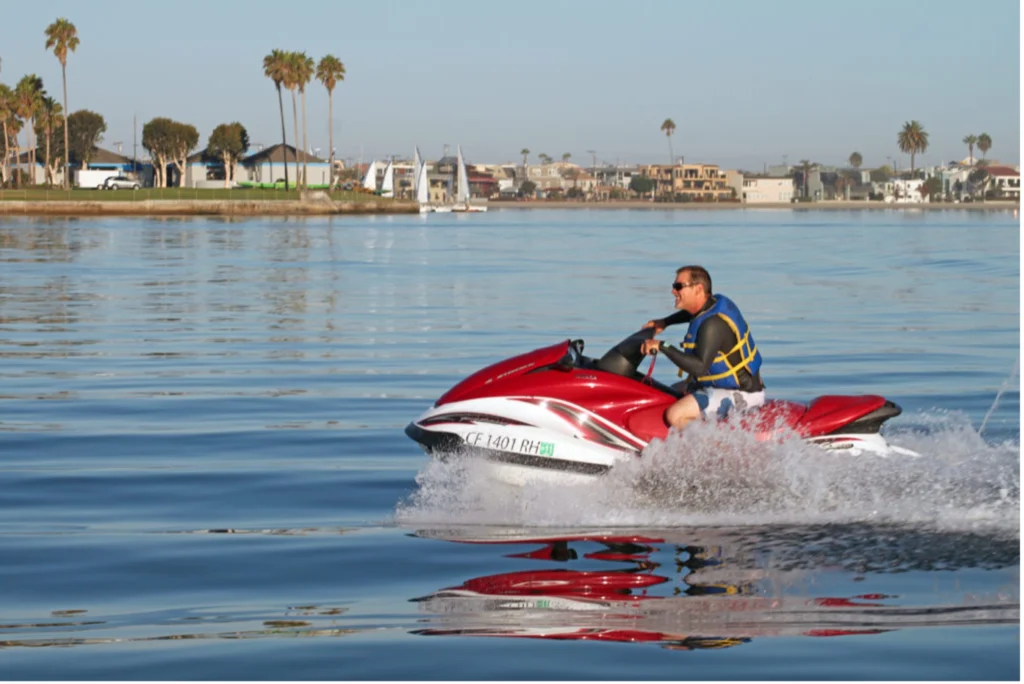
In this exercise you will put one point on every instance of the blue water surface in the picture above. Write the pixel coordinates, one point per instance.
(204, 475)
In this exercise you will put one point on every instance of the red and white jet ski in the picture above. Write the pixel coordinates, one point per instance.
(558, 414)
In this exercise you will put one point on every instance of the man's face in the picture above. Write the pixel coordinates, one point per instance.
(685, 292)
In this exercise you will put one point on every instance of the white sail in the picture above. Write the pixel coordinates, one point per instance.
(387, 188)
(416, 161)
(422, 184)
(370, 179)
(462, 191)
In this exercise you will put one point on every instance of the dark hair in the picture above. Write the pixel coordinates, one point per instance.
(698, 274)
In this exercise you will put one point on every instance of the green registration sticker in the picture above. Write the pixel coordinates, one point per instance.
(547, 449)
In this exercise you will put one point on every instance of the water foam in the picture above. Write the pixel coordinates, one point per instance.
(711, 475)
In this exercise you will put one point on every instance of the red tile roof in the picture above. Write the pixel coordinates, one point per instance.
(1002, 171)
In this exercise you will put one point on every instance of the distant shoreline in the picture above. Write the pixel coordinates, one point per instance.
(212, 207)
(205, 207)
(724, 206)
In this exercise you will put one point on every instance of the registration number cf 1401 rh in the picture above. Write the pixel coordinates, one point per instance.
(505, 443)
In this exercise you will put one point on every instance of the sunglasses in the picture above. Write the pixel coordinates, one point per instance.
(677, 286)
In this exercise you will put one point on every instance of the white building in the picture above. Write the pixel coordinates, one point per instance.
(953, 178)
(767, 189)
(1006, 179)
(907, 191)
(616, 176)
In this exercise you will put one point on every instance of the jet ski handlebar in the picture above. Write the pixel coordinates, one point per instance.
(625, 357)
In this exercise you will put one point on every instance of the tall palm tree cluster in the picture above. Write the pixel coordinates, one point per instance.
(913, 139)
(293, 71)
(27, 108)
(983, 143)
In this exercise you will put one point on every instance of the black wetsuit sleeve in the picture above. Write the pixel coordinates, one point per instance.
(713, 336)
(678, 317)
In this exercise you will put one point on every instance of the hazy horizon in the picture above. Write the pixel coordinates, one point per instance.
(747, 84)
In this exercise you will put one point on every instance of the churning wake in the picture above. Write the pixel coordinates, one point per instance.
(717, 476)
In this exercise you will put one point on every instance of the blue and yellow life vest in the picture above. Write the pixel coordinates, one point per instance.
(723, 373)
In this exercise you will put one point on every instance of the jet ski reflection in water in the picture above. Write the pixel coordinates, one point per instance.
(558, 415)
(627, 596)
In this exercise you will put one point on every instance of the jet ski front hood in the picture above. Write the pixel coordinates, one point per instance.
(488, 381)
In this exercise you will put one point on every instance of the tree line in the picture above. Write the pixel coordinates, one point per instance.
(58, 139)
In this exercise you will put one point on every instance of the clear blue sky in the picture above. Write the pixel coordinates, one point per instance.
(746, 81)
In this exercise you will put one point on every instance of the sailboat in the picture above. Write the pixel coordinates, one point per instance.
(370, 179)
(462, 192)
(422, 185)
(387, 187)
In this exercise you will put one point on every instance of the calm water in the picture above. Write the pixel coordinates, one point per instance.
(203, 473)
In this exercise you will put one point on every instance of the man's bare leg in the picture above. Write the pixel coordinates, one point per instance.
(682, 412)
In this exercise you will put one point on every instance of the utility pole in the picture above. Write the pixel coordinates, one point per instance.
(593, 169)
(135, 147)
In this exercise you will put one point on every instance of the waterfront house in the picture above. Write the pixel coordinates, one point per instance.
(907, 191)
(705, 182)
(615, 176)
(267, 166)
(1005, 180)
(767, 189)
(547, 177)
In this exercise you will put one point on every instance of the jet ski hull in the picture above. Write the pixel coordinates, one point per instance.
(521, 441)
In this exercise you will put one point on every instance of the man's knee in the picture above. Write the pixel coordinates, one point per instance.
(683, 411)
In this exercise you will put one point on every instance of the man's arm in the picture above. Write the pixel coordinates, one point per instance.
(680, 316)
(714, 335)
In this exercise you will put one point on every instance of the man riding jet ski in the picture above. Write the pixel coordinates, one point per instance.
(718, 352)
(558, 415)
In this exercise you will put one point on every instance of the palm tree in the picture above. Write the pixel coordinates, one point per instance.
(62, 36)
(912, 140)
(6, 116)
(669, 127)
(856, 160)
(524, 152)
(49, 110)
(970, 140)
(329, 71)
(14, 126)
(274, 69)
(291, 82)
(305, 67)
(27, 95)
(984, 143)
(978, 178)
(566, 157)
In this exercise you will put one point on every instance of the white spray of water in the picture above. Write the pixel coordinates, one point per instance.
(710, 475)
(995, 403)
